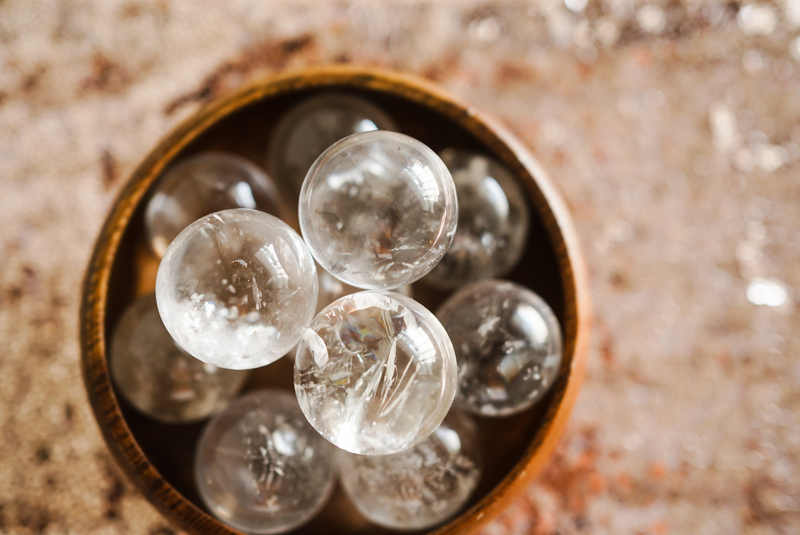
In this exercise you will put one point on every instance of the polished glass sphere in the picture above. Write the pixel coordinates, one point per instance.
(158, 377)
(508, 345)
(375, 373)
(201, 185)
(492, 221)
(261, 468)
(237, 288)
(314, 125)
(422, 486)
(378, 210)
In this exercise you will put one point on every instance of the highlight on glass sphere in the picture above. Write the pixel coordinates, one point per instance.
(422, 486)
(508, 346)
(237, 288)
(201, 185)
(159, 378)
(314, 125)
(261, 468)
(378, 210)
(492, 221)
(375, 373)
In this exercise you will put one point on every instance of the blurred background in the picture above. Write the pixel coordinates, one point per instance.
(671, 129)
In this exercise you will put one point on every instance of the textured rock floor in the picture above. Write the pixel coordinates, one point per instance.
(672, 130)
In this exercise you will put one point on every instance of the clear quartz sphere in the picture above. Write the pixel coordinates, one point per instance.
(314, 125)
(237, 288)
(421, 486)
(378, 210)
(202, 185)
(375, 373)
(508, 346)
(159, 378)
(492, 221)
(261, 468)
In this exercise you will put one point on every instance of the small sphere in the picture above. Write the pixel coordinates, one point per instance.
(314, 125)
(202, 185)
(419, 487)
(159, 378)
(378, 210)
(492, 221)
(375, 373)
(237, 288)
(261, 468)
(508, 346)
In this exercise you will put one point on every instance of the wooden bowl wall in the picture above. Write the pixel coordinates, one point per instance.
(158, 457)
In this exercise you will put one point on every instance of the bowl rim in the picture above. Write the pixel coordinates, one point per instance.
(547, 202)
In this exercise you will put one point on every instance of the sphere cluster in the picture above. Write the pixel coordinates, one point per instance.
(375, 372)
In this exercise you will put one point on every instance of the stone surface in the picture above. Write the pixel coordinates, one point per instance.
(237, 288)
(315, 124)
(508, 346)
(375, 373)
(492, 221)
(688, 419)
(378, 210)
(204, 184)
(158, 377)
(261, 468)
(420, 487)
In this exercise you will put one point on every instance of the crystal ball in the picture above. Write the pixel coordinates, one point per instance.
(378, 210)
(375, 373)
(492, 221)
(508, 346)
(237, 288)
(159, 378)
(202, 185)
(419, 487)
(260, 467)
(314, 125)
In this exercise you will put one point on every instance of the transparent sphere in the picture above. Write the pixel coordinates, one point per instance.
(237, 288)
(375, 373)
(159, 378)
(508, 346)
(260, 467)
(314, 125)
(378, 210)
(419, 487)
(492, 221)
(202, 185)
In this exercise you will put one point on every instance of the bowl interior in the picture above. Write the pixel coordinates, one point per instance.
(245, 131)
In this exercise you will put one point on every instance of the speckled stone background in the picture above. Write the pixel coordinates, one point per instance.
(671, 128)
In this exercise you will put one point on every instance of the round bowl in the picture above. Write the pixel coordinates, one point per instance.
(158, 457)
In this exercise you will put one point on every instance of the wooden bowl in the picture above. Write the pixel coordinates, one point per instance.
(158, 457)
